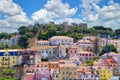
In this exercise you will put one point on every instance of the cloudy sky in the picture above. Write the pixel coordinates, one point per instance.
(15, 13)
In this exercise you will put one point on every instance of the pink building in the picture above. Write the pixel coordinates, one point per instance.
(42, 74)
(85, 45)
(86, 55)
(29, 76)
(72, 51)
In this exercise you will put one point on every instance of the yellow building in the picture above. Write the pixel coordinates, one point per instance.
(54, 69)
(67, 71)
(8, 58)
(105, 74)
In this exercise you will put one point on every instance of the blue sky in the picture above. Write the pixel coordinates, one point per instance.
(15, 13)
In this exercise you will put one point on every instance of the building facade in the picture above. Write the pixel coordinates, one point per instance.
(61, 40)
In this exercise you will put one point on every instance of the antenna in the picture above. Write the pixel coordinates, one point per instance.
(107, 46)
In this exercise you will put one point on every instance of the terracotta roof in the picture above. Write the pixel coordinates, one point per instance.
(43, 41)
(42, 48)
(109, 61)
(54, 62)
(68, 65)
(84, 41)
(84, 52)
(61, 37)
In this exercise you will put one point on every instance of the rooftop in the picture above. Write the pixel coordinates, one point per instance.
(62, 37)
(42, 48)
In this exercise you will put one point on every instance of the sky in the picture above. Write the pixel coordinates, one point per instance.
(15, 13)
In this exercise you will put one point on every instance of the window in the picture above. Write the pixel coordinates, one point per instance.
(8, 58)
(13, 57)
(74, 73)
(63, 78)
(66, 72)
(2, 58)
(56, 76)
(13, 62)
(63, 73)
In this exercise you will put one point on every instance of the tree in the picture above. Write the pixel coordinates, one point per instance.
(23, 41)
(5, 35)
(96, 46)
(117, 33)
(29, 34)
(51, 32)
(89, 62)
(34, 30)
(111, 48)
(3, 46)
(23, 29)
(15, 46)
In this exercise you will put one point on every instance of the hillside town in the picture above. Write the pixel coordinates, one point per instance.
(61, 58)
(59, 39)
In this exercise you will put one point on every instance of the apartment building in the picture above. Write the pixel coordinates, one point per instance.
(115, 42)
(72, 51)
(86, 55)
(54, 69)
(47, 51)
(85, 45)
(10, 58)
(67, 71)
(61, 40)
(42, 43)
(105, 74)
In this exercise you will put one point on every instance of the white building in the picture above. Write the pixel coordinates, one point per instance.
(115, 42)
(61, 40)
(114, 78)
(13, 40)
(62, 51)
(42, 43)
(85, 44)
(90, 77)
(47, 51)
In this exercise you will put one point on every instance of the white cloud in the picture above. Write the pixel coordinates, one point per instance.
(53, 9)
(14, 16)
(9, 8)
(108, 15)
(69, 20)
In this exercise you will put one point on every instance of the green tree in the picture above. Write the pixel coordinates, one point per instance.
(23, 41)
(76, 36)
(15, 46)
(51, 32)
(111, 48)
(89, 62)
(3, 46)
(34, 30)
(5, 35)
(29, 34)
(96, 46)
(23, 29)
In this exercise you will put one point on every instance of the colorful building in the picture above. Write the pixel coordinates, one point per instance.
(42, 43)
(67, 72)
(54, 69)
(61, 40)
(9, 58)
(86, 55)
(105, 74)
